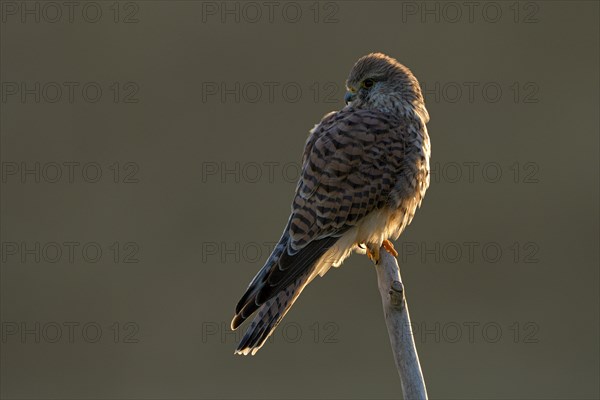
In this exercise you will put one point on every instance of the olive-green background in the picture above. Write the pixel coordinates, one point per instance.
(541, 291)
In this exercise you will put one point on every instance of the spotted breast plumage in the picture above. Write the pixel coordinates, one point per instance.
(365, 170)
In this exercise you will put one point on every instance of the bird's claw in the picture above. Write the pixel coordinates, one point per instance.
(373, 254)
(389, 247)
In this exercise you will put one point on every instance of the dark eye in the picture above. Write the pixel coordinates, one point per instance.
(368, 83)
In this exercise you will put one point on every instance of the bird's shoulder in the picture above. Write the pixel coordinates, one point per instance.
(351, 120)
(353, 145)
(354, 128)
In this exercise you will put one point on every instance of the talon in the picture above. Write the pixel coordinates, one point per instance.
(389, 247)
(373, 254)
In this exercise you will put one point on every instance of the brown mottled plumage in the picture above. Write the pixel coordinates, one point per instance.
(365, 171)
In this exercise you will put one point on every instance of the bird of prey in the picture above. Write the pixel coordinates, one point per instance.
(365, 170)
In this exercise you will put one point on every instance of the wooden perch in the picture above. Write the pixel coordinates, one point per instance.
(397, 320)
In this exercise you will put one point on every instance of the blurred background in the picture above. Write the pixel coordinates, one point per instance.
(149, 155)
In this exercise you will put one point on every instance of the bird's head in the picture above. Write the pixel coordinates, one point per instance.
(380, 82)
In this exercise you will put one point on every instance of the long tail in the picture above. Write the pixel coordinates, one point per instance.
(274, 290)
(268, 317)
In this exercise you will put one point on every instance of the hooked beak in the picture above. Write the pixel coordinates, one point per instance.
(349, 97)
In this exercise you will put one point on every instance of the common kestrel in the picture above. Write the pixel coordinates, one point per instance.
(365, 170)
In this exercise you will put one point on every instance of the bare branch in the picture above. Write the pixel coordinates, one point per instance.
(397, 320)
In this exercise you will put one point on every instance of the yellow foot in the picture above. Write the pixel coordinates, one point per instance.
(373, 254)
(389, 247)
